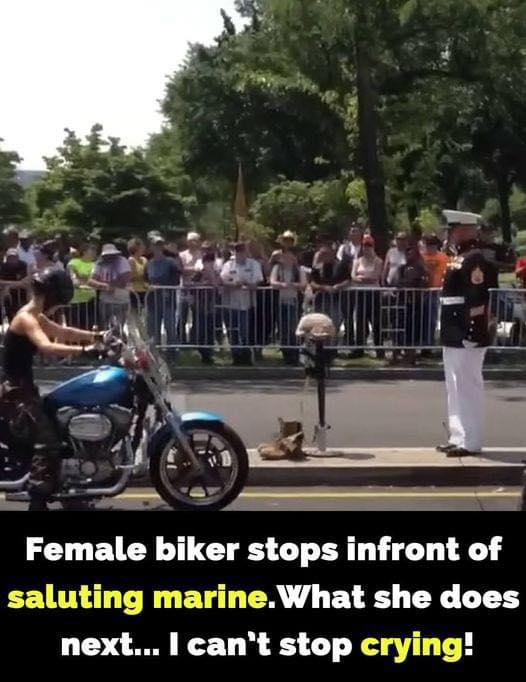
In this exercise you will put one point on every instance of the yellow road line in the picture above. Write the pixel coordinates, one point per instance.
(342, 496)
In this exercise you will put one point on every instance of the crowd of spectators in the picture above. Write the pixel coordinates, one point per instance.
(194, 293)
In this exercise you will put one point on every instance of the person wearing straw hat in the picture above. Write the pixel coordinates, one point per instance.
(465, 328)
(191, 258)
(111, 276)
(286, 241)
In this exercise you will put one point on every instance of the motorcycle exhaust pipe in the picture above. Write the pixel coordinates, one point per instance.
(120, 485)
(7, 486)
(23, 496)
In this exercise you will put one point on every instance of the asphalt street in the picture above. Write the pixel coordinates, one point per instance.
(362, 414)
(329, 499)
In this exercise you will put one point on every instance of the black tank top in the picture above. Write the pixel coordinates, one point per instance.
(18, 359)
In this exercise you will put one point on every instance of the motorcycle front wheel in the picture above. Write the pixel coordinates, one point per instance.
(225, 468)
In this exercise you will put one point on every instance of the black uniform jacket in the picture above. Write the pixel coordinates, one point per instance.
(465, 310)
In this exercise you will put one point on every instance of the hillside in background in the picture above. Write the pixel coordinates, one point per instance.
(27, 177)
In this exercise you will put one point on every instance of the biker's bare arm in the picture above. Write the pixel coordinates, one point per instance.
(65, 334)
(15, 283)
(26, 324)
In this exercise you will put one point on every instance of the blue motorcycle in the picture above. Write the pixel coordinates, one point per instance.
(117, 424)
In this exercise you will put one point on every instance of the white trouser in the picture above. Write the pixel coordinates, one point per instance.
(465, 396)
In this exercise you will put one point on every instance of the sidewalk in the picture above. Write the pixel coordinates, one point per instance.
(396, 467)
(390, 466)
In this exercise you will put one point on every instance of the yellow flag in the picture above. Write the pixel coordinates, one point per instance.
(240, 203)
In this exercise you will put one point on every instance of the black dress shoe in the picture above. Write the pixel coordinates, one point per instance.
(445, 448)
(461, 452)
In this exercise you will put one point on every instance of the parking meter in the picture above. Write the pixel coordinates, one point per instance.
(317, 332)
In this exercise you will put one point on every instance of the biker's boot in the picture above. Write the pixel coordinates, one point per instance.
(43, 478)
(38, 504)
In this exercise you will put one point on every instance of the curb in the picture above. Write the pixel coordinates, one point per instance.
(384, 476)
(387, 468)
(388, 476)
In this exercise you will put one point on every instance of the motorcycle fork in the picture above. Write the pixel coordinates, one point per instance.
(174, 422)
(182, 439)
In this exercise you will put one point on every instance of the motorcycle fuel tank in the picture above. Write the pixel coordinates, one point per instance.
(102, 386)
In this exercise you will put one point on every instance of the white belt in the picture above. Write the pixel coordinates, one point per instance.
(452, 300)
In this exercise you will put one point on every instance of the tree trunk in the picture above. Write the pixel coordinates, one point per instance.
(368, 130)
(504, 188)
(412, 213)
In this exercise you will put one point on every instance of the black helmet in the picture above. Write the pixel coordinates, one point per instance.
(55, 285)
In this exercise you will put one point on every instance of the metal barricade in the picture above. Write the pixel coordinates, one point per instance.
(97, 311)
(207, 319)
(508, 310)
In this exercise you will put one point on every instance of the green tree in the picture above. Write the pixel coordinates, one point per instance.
(13, 208)
(234, 101)
(407, 95)
(98, 184)
(303, 207)
(406, 68)
(482, 118)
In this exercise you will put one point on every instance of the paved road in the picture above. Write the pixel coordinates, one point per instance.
(374, 414)
(332, 499)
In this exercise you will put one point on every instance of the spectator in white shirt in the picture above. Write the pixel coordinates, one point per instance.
(352, 248)
(240, 276)
(394, 260)
(366, 273)
(347, 254)
(191, 258)
(26, 251)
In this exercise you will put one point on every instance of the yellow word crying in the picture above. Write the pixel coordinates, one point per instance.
(399, 649)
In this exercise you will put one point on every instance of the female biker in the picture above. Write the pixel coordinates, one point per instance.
(30, 332)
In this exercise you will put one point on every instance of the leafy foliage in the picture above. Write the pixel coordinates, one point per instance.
(98, 184)
(12, 206)
(304, 207)
(387, 109)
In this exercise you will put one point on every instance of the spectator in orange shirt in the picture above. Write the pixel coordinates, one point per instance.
(435, 260)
